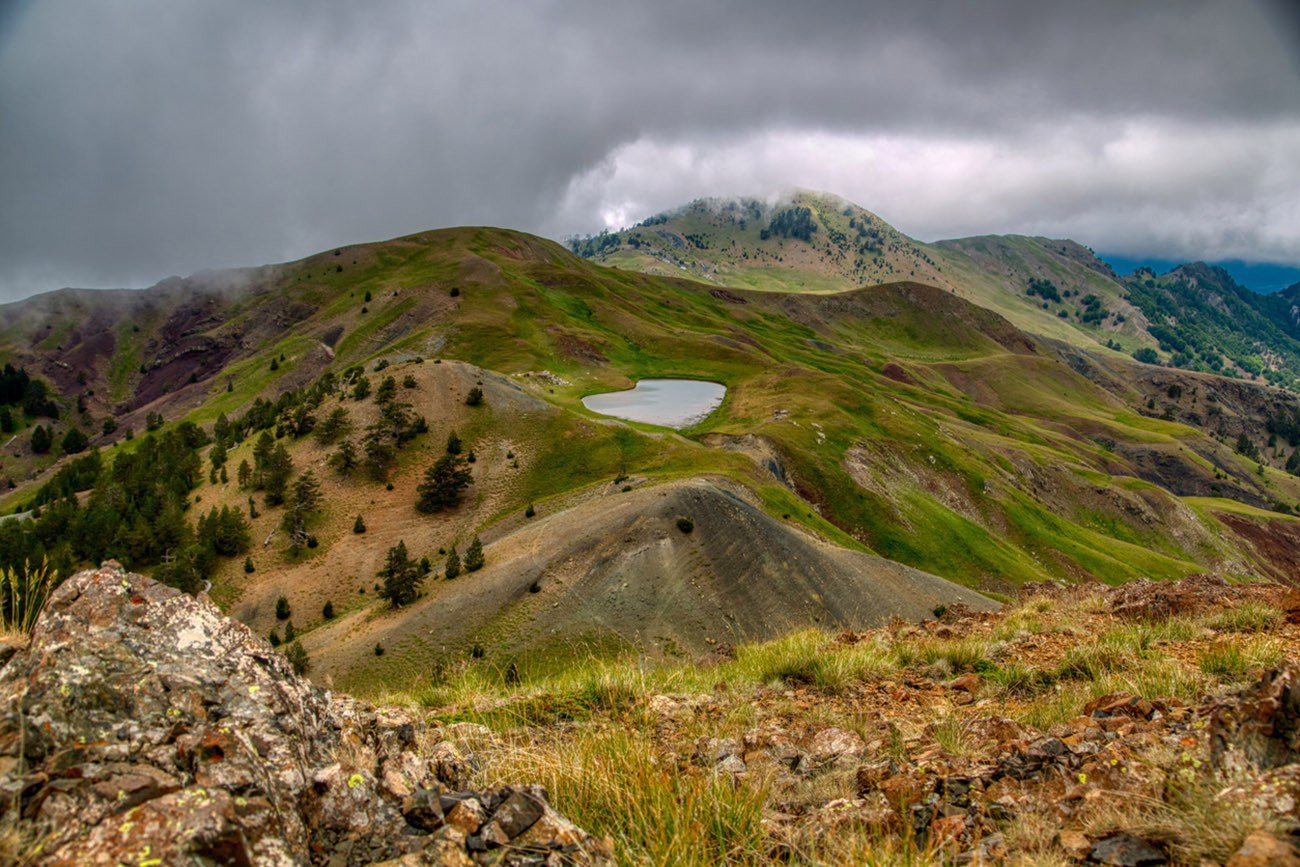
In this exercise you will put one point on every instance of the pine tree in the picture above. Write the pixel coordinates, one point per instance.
(42, 439)
(248, 564)
(442, 485)
(401, 577)
(475, 397)
(345, 459)
(282, 610)
(297, 657)
(74, 441)
(337, 424)
(453, 444)
(359, 525)
(328, 611)
(245, 474)
(474, 556)
(387, 390)
(380, 450)
(453, 563)
(304, 499)
(279, 469)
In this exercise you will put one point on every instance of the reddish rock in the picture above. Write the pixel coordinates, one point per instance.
(1262, 849)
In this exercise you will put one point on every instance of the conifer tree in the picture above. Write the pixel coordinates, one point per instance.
(443, 484)
(474, 556)
(401, 577)
(345, 459)
(453, 563)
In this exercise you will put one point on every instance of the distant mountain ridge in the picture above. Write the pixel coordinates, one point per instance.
(750, 243)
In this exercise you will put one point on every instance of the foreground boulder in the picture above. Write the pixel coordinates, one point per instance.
(140, 726)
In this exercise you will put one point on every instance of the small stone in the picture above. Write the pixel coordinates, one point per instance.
(467, 816)
(967, 683)
(870, 775)
(901, 791)
(663, 705)
(947, 828)
(1262, 849)
(1126, 850)
(518, 813)
(423, 809)
(1075, 844)
(832, 742)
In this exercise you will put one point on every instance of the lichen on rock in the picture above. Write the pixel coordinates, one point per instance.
(142, 726)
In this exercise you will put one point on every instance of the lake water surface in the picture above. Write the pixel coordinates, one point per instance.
(675, 403)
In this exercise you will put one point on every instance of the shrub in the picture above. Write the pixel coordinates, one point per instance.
(475, 397)
(530, 511)
(379, 649)
(686, 525)
(453, 563)
(408, 381)
(453, 444)
(248, 564)
(289, 632)
(274, 638)
(359, 525)
(328, 611)
(282, 610)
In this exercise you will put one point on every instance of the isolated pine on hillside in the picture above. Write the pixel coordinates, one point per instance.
(401, 577)
(443, 484)
(474, 556)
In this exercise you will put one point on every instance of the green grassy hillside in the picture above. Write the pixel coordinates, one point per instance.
(898, 420)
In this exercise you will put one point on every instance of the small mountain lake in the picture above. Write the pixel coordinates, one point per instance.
(675, 403)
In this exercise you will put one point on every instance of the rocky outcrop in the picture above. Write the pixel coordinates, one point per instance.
(140, 726)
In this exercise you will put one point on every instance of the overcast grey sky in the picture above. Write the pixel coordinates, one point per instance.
(142, 138)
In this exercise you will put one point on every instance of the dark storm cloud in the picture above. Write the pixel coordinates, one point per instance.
(144, 138)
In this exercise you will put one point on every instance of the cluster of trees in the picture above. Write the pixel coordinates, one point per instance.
(796, 222)
(445, 480)
(19, 389)
(1044, 289)
(382, 440)
(402, 576)
(135, 513)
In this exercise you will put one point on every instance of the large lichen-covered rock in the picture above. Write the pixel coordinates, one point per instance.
(140, 726)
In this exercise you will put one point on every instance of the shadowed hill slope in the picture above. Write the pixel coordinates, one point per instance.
(616, 571)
